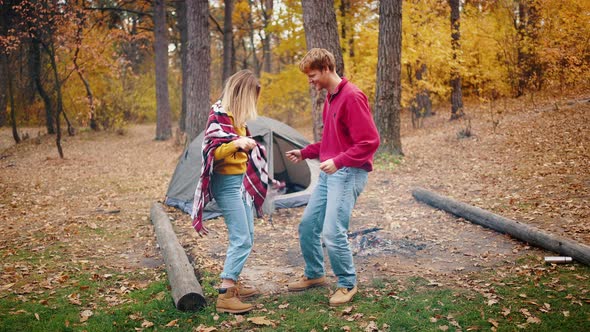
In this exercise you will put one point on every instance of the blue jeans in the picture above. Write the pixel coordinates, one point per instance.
(228, 193)
(328, 211)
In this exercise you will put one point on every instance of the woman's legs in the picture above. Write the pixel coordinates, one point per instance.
(239, 220)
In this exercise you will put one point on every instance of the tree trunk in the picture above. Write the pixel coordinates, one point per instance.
(346, 29)
(528, 65)
(3, 89)
(255, 61)
(51, 53)
(321, 30)
(521, 231)
(423, 95)
(388, 94)
(163, 125)
(456, 92)
(198, 62)
(182, 27)
(267, 11)
(8, 77)
(228, 41)
(89, 95)
(36, 72)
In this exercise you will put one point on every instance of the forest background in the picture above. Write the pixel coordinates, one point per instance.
(93, 61)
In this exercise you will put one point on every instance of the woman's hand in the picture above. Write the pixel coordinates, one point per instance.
(245, 143)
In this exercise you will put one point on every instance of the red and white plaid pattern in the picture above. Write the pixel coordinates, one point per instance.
(220, 130)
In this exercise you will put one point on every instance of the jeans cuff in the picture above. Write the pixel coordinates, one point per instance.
(229, 276)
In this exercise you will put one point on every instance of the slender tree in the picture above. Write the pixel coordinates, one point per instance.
(252, 38)
(266, 10)
(81, 19)
(456, 92)
(198, 63)
(10, 91)
(388, 94)
(531, 72)
(228, 40)
(321, 30)
(3, 94)
(182, 28)
(163, 125)
(35, 61)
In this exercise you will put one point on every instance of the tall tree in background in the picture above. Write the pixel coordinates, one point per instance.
(266, 10)
(35, 61)
(198, 60)
(321, 30)
(80, 22)
(388, 94)
(253, 37)
(163, 125)
(456, 92)
(3, 90)
(4, 21)
(182, 28)
(531, 73)
(228, 41)
(346, 28)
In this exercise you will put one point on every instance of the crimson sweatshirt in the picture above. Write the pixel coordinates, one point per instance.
(350, 137)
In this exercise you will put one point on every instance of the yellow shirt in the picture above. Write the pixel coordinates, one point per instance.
(228, 160)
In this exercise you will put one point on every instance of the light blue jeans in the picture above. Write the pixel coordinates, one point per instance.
(328, 211)
(228, 193)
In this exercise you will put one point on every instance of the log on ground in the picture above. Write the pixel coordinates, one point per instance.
(186, 290)
(534, 236)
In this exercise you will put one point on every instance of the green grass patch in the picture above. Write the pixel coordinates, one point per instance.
(529, 297)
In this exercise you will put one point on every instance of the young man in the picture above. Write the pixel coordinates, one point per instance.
(349, 141)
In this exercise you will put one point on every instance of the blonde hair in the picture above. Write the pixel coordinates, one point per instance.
(319, 59)
(240, 95)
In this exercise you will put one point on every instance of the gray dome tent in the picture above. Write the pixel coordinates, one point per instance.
(278, 138)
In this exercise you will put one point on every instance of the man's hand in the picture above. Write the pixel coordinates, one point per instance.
(328, 166)
(294, 156)
(245, 143)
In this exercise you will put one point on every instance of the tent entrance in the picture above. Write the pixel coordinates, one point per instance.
(296, 176)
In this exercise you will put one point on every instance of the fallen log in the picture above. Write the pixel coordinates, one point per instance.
(579, 252)
(186, 290)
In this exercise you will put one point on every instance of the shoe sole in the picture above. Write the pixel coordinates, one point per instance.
(324, 284)
(249, 296)
(230, 311)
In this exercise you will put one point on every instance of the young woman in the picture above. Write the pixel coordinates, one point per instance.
(234, 173)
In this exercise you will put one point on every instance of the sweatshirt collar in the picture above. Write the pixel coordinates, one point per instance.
(339, 87)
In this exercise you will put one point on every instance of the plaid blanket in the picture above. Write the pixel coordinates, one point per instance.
(220, 130)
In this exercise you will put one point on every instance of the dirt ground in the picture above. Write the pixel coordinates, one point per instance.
(526, 162)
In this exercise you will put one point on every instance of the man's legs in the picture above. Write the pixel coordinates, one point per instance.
(310, 230)
(344, 187)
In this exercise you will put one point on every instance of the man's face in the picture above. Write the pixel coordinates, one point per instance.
(317, 78)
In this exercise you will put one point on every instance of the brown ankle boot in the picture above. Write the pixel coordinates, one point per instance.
(245, 292)
(228, 301)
